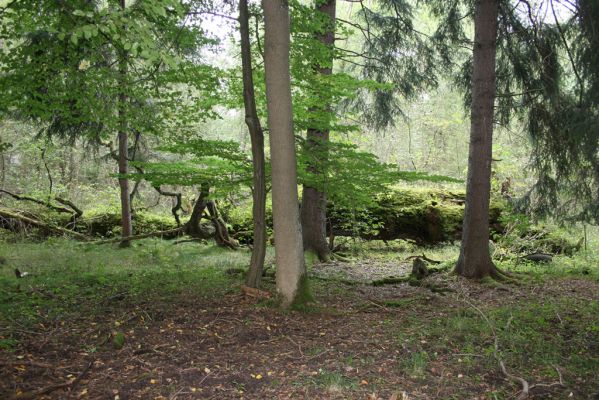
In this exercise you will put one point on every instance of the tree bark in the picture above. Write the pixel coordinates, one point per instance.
(193, 225)
(254, 276)
(291, 270)
(127, 229)
(475, 260)
(221, 235)
(314, 201)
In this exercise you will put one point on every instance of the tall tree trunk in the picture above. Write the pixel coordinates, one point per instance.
(254, 276)
(314, 202)
(474, 260)
(291, 270)
(126, 226)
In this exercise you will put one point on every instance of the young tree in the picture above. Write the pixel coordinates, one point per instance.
(291, 270)
(475, 260)
(314, 201)
(254, 276)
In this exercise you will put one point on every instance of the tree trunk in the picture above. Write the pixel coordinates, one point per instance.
(127, 229)
(291, 270)
(254, 276)
(474, 260)
(193, 225)
(314, 202)
(221, 235)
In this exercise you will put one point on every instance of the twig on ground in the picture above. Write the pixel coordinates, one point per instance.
(548, 385)
(48, 389)
(299, 348)
(526, 388)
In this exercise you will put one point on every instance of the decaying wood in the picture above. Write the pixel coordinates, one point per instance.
(425, 258)
(253, 292)
(538, 257)
(12, 215)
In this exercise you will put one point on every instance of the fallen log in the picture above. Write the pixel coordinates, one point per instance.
(12, 215)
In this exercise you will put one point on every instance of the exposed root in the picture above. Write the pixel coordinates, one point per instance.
(425, 258)
(338, 257)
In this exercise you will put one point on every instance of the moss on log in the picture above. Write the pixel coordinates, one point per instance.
(424, 215)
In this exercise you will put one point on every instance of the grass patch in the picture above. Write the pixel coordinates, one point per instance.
(333, 382)
(68, 279)
(533, 338)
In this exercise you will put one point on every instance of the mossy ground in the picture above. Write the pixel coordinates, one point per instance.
(189, 333)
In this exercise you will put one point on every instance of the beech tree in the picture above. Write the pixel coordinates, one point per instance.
(474, 260)
(291, 278)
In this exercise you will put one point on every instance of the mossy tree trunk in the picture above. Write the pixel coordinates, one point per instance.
(291, 269)
(474, 260)
(254, 276)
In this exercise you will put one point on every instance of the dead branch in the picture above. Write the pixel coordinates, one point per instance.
(35, 394)
(526, 388)
(77, 211)
(253, 292)
(11, 215)
(22, 197)
(425, 258)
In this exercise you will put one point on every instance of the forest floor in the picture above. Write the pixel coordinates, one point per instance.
(159, 321)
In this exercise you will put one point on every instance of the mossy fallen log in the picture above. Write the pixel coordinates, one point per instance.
(424, 215)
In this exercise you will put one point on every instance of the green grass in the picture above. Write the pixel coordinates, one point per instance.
(69, 279)
(333, 381)
(533, 338)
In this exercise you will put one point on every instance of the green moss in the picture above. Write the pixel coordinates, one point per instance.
(310, 258)
(118, 340)
(303, 296)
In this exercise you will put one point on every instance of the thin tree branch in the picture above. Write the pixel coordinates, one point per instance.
(569, 52)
